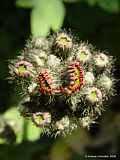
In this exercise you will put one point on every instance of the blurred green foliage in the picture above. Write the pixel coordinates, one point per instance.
(47, 15)
(23, 129)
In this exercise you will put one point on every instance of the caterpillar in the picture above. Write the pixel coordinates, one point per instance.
(76, 77)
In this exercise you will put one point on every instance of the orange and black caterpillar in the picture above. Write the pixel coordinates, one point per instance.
(47, 83)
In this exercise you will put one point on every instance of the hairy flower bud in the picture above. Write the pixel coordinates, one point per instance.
(53, 61)
(63, 41)
(83, 53)
(93, 95)
(89, 78)
(23, 69)
(63, 83)
(41, 119)
(101, 60)
(105, 82)
(86, 122)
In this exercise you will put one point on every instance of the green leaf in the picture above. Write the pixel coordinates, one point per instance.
(91, 2)
(25, 3)
(2, 141)
(39, 22)
(57, 12)
(24, 129)
(32, 132)
(109, 5)
(16, 121)
(71, 1)
(47, 15)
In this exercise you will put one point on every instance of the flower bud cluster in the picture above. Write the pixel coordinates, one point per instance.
(63, 83)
